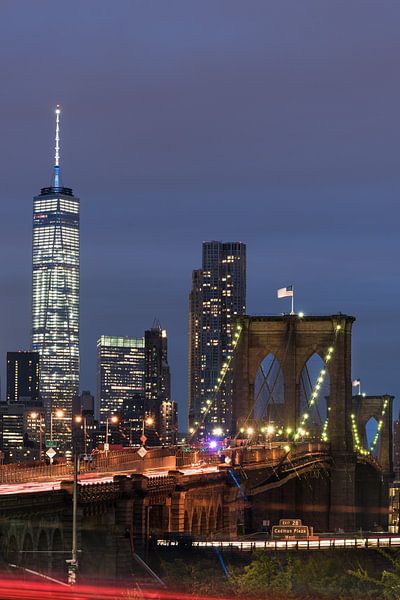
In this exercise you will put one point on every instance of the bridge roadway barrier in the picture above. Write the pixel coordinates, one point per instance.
(127, 459)
(356, 543)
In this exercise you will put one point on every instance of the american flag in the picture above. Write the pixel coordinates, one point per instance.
(286, 292)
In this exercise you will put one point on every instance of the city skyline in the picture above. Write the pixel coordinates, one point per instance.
(305, 183)
(198, 338)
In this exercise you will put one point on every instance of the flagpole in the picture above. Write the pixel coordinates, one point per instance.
(292, 311)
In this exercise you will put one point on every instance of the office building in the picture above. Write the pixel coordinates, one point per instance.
(120, 375)
(218, 294)
(22, 376)
(55, 296)
(21, 430)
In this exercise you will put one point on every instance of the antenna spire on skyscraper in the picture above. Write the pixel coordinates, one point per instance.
(57, 149)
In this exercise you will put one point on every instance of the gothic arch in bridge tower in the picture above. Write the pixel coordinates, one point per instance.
(315, 372)
(370, 430)
(378, 408)
(268, 389)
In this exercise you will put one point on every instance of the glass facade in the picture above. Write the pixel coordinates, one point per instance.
(120, 374)
(55, 303)
(218, 294)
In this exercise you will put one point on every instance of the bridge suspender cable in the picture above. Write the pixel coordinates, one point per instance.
(225, 369)
(315, 393)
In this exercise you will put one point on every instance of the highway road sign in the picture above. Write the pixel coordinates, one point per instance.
(51, 453)
(290, 532)
(290, 522)
(142, 452)
(51, 444)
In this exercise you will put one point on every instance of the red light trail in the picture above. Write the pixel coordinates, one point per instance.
(22, 589)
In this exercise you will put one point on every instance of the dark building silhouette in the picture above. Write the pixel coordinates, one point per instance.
(396, 448)
(159, 407)
(85, 428)
(22, 376)
(132, 416)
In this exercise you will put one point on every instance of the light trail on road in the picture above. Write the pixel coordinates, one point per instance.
(92, 479)
(284, 545)
(22, 589)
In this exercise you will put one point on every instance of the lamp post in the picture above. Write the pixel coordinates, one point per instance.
(146, 421)
(270, 433)
(59, 413)
(73, 562)
(250, 433)
(113, 419)
(39, 415)
(79, 419)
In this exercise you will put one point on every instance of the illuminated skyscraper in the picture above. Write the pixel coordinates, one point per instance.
(55, 296)
(218, 294)
(120, 374)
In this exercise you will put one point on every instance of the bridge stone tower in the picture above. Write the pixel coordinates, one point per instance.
(293, 340)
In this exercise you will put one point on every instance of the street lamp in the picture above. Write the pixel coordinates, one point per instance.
(39, 415)
(270, 433)
(58, 414)
(147, 421)
(113, 419)
(79, 419)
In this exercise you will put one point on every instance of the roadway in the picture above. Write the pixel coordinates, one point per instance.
(92, 478)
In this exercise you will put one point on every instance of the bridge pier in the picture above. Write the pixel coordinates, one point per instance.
(177, 512)
(342, 513)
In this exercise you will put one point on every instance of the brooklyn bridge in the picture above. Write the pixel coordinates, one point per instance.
(317, 465)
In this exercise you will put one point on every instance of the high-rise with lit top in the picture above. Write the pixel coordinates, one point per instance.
(217, 296)
(55, 296)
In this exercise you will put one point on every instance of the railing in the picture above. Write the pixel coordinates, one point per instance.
(120, 460)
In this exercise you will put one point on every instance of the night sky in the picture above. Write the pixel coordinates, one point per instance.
(272, 123)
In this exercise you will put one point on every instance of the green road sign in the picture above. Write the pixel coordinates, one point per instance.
(51, 444)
